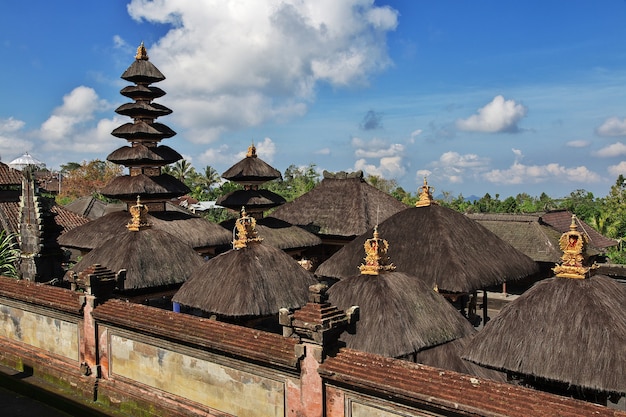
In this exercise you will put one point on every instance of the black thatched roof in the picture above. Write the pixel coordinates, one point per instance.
(341, 205)
(251, 199)
(440, 246)
(251, 170)
(151, 257)
(128, 187)
(142, 154)
(525, 232)
(399, 315)
(567, 330)
(142, 92)
(143, 108)
(257, 280)
(142, 71)
(280, 234)
(191, 229)
(142, 130)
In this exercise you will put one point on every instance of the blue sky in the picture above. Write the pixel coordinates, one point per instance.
(479, 96)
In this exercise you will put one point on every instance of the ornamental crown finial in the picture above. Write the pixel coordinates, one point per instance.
(425, 195)
(245, 231)
(376, 259)
(138, 220)
(251, 151)
(574, 246)
(142, 53)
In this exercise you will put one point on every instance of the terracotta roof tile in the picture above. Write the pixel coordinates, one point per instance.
(41, 294)
(9, 176)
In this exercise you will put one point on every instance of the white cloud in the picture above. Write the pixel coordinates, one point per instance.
(519, 173)
(578, 143)
(616, 149)
(389, 167)
(10, 125)
(454, 167)
(499, 115)
(250, 62)
(612, 126)
(323, 151)
(12, 144)
(617, 170)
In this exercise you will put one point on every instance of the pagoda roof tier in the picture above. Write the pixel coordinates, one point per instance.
(142, 92)
(139, 154)
(143, 109)
(142, 71)
(143, 130)
(251, 170)
(127, 188)
(251, 199)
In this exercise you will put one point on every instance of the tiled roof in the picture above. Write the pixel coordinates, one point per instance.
(9, 216)
(66, 219)
(561, 221)
(41, 294)
(9, 176)
(417, 385)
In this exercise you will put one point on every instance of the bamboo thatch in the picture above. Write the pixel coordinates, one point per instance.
(128, 187)
(191, 229)
(251, 169)
(571, 331)
(257, 280)
(142, 154)
(442, 247)
(151, 257)
(341, 205)
(253, 199)
(280, 234)
(398, 316)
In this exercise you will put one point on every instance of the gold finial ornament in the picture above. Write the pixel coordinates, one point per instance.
(245, 231)
(138, 220)
(574, 245)
(251, 151)
(142, 53)
(376, 259)
(425, 195)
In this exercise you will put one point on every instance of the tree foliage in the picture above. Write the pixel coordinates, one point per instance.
(9, 254)
(88, 178)
(295, 182)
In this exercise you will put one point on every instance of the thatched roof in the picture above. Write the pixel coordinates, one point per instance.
(151, 257)
(440, 246)
(342, 205)
(143, 130)
(137, 92)
(251, 170)
(128, 187)
(399, 315)
(142, 154)
(257, 280)
(571, 331)
(142, 71)
(525, 232)
(92, 208)
(280, 234)
(251, 199)
(191, 229)
(143, 108)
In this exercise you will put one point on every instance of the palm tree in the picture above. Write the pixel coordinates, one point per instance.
(182, 169)
(209, 178)
(9, 255)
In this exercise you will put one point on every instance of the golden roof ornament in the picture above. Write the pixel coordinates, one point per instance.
(142, 53)
(138, 220)
(251, 151)
(425, 195)
(245, 231)
(376, 259)
(574, 246)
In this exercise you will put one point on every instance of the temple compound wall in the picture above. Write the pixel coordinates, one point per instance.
(131, 359)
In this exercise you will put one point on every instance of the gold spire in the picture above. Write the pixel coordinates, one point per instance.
(245, 231)
(142, 53)
(376, 259)
(574, 245)
(425, 195)
(138, 213)
(251, 151)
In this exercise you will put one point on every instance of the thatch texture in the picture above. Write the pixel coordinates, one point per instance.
(92, 208)
(143, 108)
(193, 230)
(525, 232)
(399, 315)
(571, 331)
(251, 170)
(340, 205)
(138, 92)
(142, 71)
(280, 234)
(139, 154)
(151, 257)
(128, 187)
(143, 130)
(257, 280)
(441, 247)
(250, 199)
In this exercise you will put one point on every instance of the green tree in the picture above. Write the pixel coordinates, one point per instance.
(88, 179)
(295, 182)
(9, 254)
(582, 203)
(182, 170)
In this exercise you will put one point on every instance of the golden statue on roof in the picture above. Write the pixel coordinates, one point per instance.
(138, 220)
(376, 259)
(245, 231)
(425, 195)
(574, 246)
(142, 53)
(251, 151)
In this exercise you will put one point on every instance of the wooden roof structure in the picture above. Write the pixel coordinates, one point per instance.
(342, 205)
(569, 329)
(442, 247)
(251, 280)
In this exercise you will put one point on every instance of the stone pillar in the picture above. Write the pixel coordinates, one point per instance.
(318, 325)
